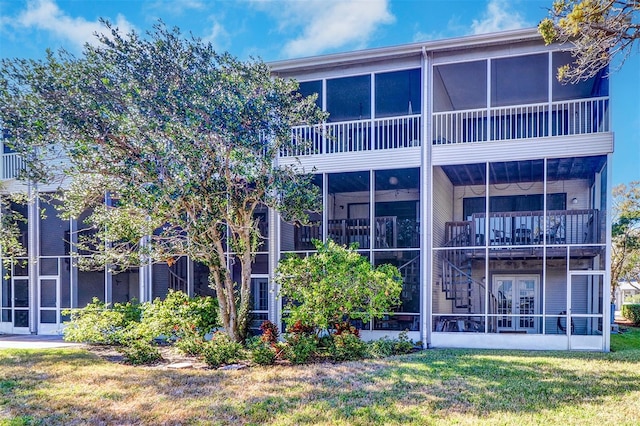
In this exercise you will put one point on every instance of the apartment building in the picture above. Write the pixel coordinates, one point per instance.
(463, 162)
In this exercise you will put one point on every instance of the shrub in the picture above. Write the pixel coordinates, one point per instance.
(336, 283)
(262, 353)
(270, 332)
(632, 313)
(347, 347)
(98, 323)
(190, 345)
(178, 316)
(385, 346)
(403, 345)
(221, 350)
(346, 327)
(381, 348)
(140, 352)
(300, 347)
(299, 328)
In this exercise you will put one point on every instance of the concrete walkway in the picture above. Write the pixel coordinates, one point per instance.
(29, 341)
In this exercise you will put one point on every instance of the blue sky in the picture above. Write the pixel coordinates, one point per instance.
(281, 29)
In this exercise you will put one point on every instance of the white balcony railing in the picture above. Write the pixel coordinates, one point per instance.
(563, 118)
(353, 136)
(12, 164)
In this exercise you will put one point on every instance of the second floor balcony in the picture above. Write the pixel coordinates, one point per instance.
(357, 135)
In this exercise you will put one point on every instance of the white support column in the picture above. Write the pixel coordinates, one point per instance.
(33, 248)
(190, 286)
(606, 323)
(73, 263)
(274, 256)
(108, 275)
(426, 203)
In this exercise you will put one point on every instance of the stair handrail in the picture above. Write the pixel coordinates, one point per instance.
(177, 279)
(493, 305)
(400, 268)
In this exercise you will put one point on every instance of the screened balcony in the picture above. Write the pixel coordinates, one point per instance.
(357, 120)
(515, 98)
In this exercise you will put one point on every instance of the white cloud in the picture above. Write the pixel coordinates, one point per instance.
(176, 7)
(327, 24)
(217, 35)
(45, 15)
(498, 17)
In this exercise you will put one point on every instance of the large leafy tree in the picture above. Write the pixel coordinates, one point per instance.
(336, 284)
(182, 140)
(625, 247)
(599, 31)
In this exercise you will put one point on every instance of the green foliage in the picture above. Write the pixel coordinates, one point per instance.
(625, 230)
(348, 347)
(300, 347)
(190, 345)
(98, 323)
(632, 313)
(335, 284)
(140, 352)
(262, 352)
(179, 316)
(177, 133)
(386, 346)
(221, 350)
(176, 317)
(599, 31)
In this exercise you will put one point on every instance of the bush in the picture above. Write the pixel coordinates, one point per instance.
(140, 352)
(262, 353)
(270, 332)
(381, 348)
(300, 347)
(100, 324)
(385, 346)
(346, 327)
(347, 347)
(178, 316)
(632, 313)
(221, 350)
(190, 345)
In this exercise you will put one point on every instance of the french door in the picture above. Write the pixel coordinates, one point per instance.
(14, 313)
(517, 302)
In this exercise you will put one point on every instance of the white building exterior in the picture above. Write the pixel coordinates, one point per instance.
(463, 162)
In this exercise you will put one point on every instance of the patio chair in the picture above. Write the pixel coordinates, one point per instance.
(500, 238)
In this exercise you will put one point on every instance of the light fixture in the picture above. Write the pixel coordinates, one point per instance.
(393, 180)
(574, 201)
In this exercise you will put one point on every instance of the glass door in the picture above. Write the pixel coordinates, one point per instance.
(14, 313)
(517, 302)
(49, 305)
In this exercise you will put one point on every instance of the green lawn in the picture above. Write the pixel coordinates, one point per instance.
(431, 387)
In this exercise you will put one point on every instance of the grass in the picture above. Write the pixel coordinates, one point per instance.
(72, 386)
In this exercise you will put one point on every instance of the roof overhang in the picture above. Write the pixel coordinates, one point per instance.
(405, 50)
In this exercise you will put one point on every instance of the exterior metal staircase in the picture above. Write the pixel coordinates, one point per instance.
(177, 274)
(458, 283)
(410, 272)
